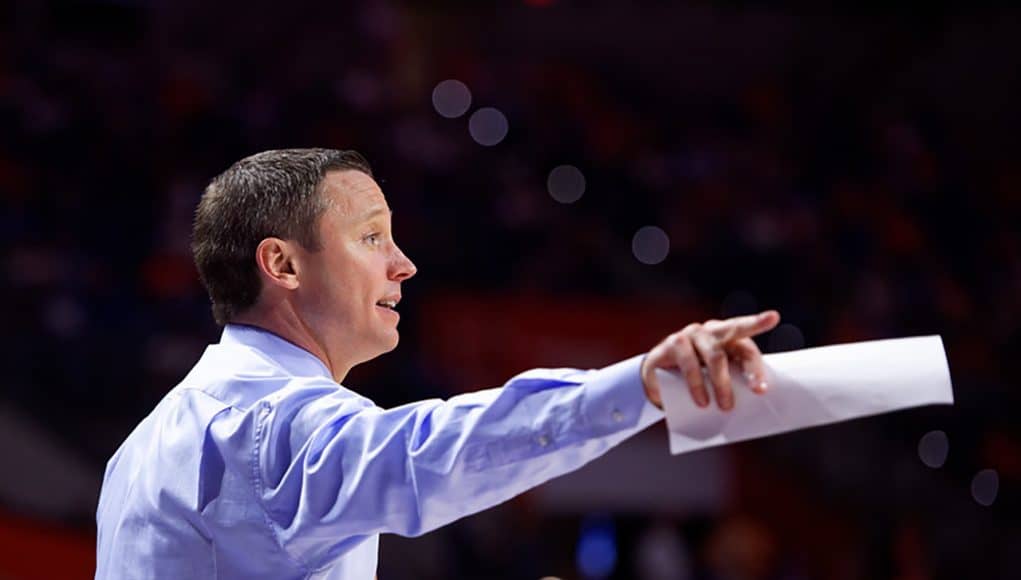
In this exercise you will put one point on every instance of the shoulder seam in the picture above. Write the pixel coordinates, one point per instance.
(225, 404)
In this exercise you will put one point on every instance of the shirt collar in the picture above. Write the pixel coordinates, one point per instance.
(290, 356)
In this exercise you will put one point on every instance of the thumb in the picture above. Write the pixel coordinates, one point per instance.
(650, 382)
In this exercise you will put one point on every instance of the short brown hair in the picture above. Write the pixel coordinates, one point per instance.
(269, 194)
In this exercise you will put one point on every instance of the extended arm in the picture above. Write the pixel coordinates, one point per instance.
(334, 469)
(330, 468)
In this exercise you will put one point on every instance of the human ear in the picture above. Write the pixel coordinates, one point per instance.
(276, 261)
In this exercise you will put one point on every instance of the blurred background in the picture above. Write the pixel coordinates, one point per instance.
(574, 179)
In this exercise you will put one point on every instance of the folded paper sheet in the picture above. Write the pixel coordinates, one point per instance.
(813, 386)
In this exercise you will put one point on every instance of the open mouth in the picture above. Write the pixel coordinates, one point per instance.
(388, 304)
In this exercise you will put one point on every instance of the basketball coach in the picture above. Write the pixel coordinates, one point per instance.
(261, 463)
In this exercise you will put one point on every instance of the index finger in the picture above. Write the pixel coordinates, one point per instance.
(747, 326)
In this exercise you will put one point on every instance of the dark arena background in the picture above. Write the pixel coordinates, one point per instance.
(574, 179)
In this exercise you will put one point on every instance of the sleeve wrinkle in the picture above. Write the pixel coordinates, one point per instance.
(420, 434)
(357, 469)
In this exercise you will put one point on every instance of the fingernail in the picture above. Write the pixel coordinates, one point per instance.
(700, 398)
(755, 383)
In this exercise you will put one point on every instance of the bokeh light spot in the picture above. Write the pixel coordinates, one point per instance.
(650, 245)
(488, 126)
(566, 184)
(984, 487)
(786, 337)
(933, 448)
(451, 98)
(596, 557)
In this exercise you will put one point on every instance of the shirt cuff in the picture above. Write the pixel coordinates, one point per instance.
(615, 399)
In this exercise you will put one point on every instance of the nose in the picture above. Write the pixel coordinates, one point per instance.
(402, 267)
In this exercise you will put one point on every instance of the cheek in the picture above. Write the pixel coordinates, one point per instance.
(348, 281)
(351, 287)
(326, 288)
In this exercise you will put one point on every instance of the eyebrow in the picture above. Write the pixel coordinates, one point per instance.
(373, 213)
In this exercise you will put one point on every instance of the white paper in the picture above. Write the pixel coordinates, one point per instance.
(809, 387)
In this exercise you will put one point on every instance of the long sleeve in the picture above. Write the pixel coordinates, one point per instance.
(331, 469)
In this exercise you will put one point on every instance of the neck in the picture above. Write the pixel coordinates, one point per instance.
(288, 325)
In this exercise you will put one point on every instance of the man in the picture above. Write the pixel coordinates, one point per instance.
(260, 464)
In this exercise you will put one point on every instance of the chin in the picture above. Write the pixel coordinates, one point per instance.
(390, 342)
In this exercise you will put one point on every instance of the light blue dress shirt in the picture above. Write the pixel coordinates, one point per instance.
(259, 465)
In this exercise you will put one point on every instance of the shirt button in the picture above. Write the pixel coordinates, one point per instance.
(617, 415)
(543, 440)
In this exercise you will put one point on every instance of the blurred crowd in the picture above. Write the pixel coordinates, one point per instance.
(856, 171)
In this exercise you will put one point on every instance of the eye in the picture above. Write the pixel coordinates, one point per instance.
(373, 239)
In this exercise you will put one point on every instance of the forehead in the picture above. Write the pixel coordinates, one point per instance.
(352, 193)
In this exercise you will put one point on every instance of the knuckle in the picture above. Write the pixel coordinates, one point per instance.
(702, 337)
(656, 358)
(720, 325)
